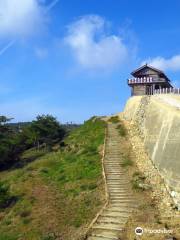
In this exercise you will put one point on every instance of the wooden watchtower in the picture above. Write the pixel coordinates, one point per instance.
(147, 79)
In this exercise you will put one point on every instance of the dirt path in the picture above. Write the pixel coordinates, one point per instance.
(121, 202)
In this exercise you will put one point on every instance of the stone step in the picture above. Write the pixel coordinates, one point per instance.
(112, 170)
(118, 193)
(116, 177)
(109, 226)
(119, 209)
(114, 190)
(101, 237)
(118, 198)
(122, 194)
(124, 205)
(114, 167)
(122, 201)
(109, 219)
(123, 186)
(115, 214)
(107, 233)
(118, 183)
(117, 189)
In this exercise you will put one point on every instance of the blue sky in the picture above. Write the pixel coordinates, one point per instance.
(71, 58)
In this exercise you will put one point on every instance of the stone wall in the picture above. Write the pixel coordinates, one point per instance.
(158, 124)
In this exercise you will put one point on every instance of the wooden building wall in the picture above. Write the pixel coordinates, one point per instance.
(139, 90)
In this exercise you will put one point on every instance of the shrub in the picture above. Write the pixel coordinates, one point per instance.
(138, 182)
(122, 130)
(26, 221)
(114, 119)
(127, 162)
(4, 236)
(50, 236)
(5, 196)
(25, 213)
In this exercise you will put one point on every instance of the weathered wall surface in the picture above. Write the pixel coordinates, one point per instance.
(158, 121)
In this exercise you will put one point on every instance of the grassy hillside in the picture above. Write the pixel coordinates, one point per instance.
(57, 195)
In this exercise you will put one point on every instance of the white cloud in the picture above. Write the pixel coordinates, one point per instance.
(92, 47)
(19, 18)
(41, 52)
(171, 64)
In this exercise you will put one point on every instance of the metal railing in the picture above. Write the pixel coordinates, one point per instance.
(167, 91)
(145, 80)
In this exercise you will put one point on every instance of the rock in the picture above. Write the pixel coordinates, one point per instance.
(177, 206)
(145, 186)
(173, 194)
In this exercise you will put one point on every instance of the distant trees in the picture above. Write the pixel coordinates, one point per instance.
(44, 130)
(6, 141)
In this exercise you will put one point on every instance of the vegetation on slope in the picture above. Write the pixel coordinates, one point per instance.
(59, 192)
(44, 130)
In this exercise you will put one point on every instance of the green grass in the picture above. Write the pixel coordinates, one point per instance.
(79, 159)
(70, 179)
(5, 195)
(8, 237)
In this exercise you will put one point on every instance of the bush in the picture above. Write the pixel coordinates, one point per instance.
(138, 182)
(114, 119)
(50, 236)
(5, 196)
(25, 213)
(127, 162)
(122, 130)
(4, 236)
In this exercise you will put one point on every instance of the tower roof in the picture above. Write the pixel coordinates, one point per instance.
(146, 66)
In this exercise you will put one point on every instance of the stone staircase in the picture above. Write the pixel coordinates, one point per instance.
(112, 219)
